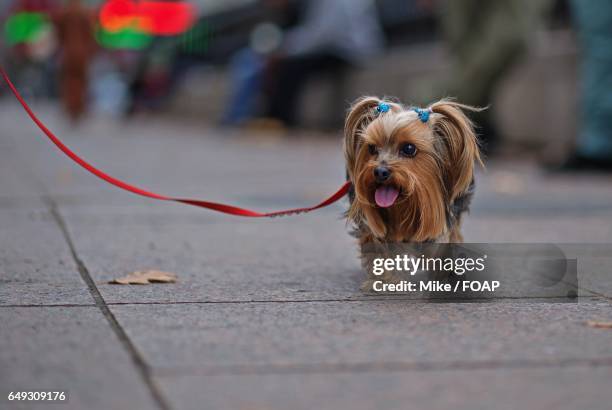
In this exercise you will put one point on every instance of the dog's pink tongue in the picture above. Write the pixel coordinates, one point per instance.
(385, 196)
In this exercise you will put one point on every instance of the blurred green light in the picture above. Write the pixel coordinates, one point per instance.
(125, 39)
(24, 27)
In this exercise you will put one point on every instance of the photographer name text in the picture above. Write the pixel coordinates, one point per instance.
(437, 286)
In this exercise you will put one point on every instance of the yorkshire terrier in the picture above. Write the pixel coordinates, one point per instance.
(412, 173)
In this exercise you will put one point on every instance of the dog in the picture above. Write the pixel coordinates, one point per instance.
(411, 171)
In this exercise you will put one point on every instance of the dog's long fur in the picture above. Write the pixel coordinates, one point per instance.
(436, 185)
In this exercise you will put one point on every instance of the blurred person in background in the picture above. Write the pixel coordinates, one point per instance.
(75, 32)
(486, 38)
(153, 77)
(30, 44)
(330, 36)
(593, 149)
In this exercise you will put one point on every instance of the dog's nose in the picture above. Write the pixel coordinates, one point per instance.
(382, 174)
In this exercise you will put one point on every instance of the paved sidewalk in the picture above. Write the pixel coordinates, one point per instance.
(267, 314)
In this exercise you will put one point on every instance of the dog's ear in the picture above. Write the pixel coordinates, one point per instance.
(362, 111)
(458, 139)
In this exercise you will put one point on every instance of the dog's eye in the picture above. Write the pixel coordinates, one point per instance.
(372, 149)
(408, 150)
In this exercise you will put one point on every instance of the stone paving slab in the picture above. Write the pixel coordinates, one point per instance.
(16, 178)
(223, 337)
(588, 233)
(67, 349)
(596, 281)
(304, 258)
(478, 226)
(546, 229)
(309, 257)
(516, 186)
(36, 266)
(559, 388)
(594, 263)
(140, 152)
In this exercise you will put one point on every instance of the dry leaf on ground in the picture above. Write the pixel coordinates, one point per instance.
(145, 277)
(600, 325)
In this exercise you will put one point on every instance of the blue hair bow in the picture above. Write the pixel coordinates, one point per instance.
(423, 113)
(382, 107)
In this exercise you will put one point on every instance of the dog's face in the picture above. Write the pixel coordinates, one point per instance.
(407, 169)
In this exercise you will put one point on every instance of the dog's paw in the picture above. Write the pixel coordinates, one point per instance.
(368, 286)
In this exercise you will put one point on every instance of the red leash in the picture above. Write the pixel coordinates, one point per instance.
(227, 209)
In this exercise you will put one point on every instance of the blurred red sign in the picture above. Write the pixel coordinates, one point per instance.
(150, 17)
